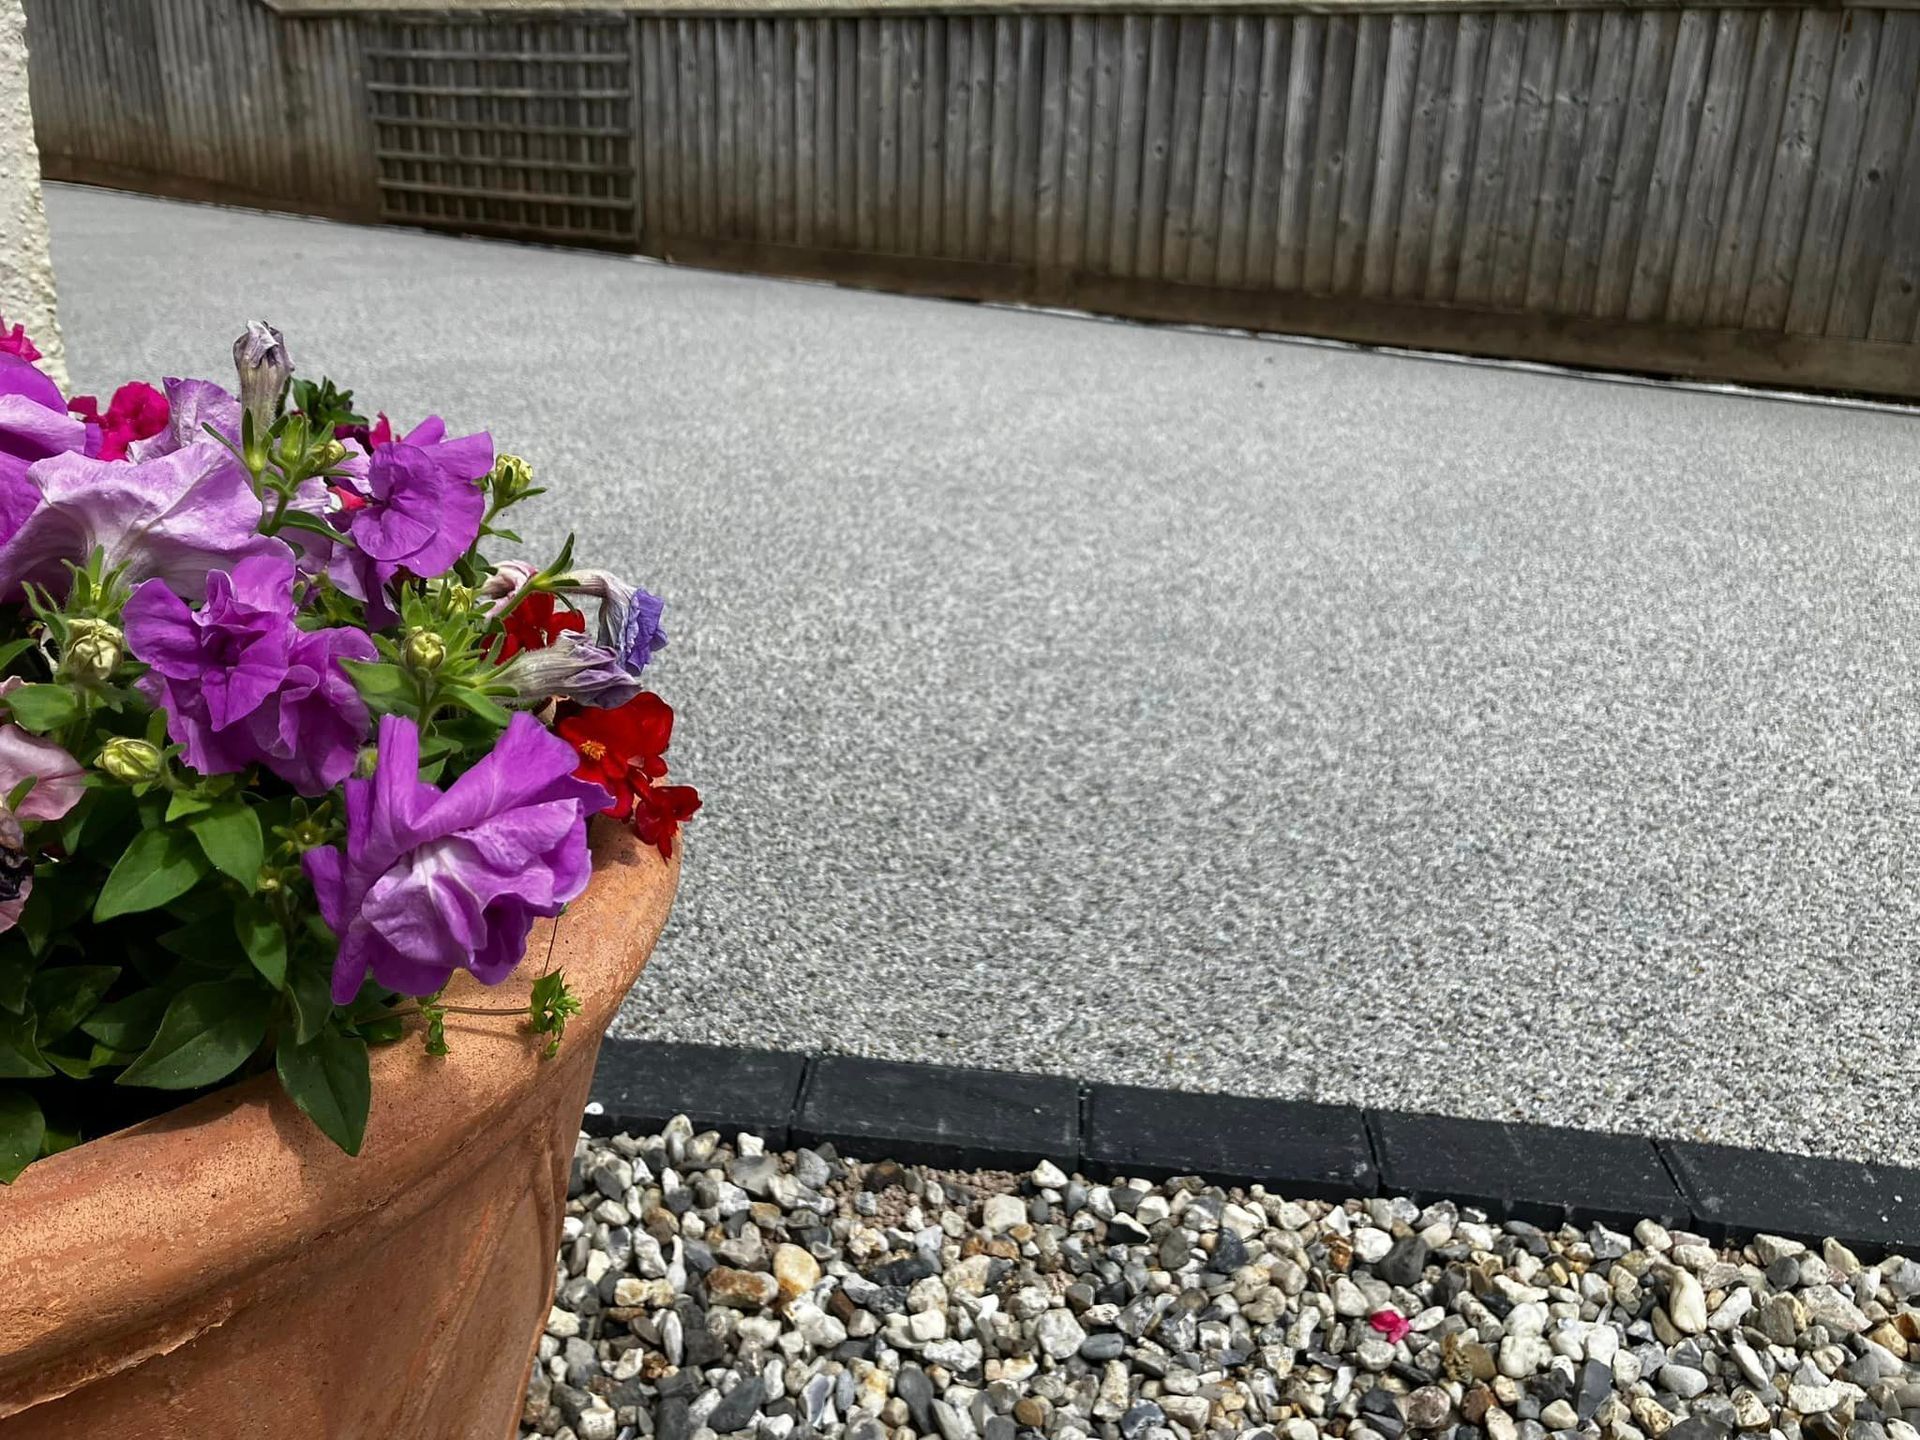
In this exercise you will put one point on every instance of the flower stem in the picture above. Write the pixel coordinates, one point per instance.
(279, 511)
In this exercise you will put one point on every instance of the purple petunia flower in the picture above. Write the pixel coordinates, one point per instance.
(34, 424)
(174, 518)
(243, 685)
(431, 882)
(421, 509)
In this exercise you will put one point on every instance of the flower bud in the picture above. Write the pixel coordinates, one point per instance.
(512, 478)
(133, 762)
(366, 762)
(261, 358)
(93, 651)
(331, 454)
(423, 651)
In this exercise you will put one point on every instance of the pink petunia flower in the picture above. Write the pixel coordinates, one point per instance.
(138, 412)
(15, 342)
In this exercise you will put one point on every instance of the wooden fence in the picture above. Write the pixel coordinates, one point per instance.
(1730, 192)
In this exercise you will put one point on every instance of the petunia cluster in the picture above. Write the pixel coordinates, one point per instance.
(281, 749)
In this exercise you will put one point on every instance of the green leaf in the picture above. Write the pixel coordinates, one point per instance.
(20, 1057)
(22, 1129)
(57, 908)
(204, 939)
(157, 867)
(77, 1067)
(13, 650)
(300, 520)
(229, 833)
(100, 812)
(128, 1024)
(207, 1033)
(185, 802)
(328, 1078)
(264, 939)
(384, 686)
(36, 924)
(310, 988)
(478, 704)
(65, 995)
(41, 708)
(16, 971)
(59, 1138)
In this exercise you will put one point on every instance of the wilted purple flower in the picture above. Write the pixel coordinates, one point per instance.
(34, 424)
(431, 882)
(571, 666)
(629, 623)
(631, 628)
(422, 511)
(192, 405)
(243, 685)
(174, 519)
(260, 356)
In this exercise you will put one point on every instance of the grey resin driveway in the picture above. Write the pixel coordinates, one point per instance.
(1188, 709)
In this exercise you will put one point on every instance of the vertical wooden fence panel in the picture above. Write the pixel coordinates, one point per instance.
(1672, 163)
(1891, 107)
(1710, 177)
(1533, 104)
(1426, 152)
(1560, 170)
(1725, 189)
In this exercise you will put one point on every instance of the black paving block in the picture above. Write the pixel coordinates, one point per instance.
(1539, 1173)
(1296, 1150)
(1738, 1193)
(642, 1084)
(938, 1114)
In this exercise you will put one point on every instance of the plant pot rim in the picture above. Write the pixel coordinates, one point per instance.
(201, 1237)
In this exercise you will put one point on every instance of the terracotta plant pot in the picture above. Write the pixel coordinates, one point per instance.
(224, 1273)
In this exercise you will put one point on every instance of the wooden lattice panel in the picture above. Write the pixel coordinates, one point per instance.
(521, 128)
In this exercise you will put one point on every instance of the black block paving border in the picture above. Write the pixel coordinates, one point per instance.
(966, 1119)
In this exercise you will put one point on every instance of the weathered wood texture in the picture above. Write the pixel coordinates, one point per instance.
(210, 99)
(1727, 191)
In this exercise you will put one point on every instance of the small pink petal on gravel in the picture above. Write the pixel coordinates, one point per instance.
(1390, 1323)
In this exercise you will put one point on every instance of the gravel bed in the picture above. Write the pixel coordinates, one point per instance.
(709, 1289)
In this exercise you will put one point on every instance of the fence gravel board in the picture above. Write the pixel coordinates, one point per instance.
(1729, 191)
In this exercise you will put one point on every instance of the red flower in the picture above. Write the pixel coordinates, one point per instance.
(138, 412)
(381, 433)
(535, 623)
(658, 811)
(620, 748)
(623, 750)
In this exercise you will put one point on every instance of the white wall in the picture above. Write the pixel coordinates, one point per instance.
(26, 271)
